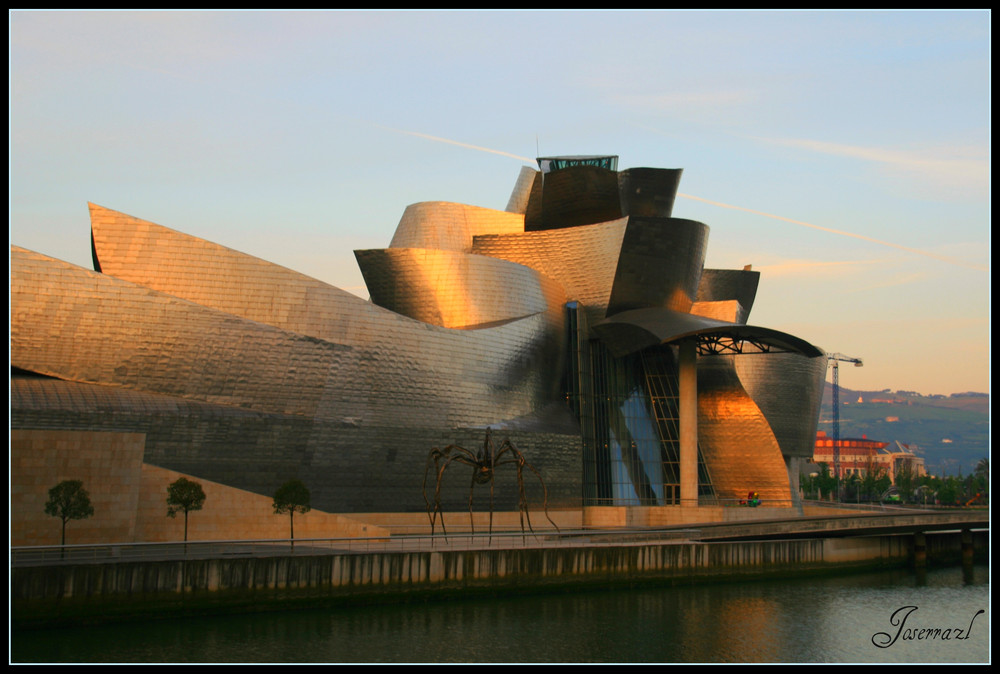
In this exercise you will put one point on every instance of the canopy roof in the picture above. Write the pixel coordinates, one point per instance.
(631, 331)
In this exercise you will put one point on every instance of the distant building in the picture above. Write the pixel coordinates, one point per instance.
(860, 455)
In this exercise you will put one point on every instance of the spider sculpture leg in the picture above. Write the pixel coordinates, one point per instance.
(545, 493)
(433, 510)
(518, 460)
(492, 478)
(522, 497)
(520, 463)
(441, 460)
(472, 487)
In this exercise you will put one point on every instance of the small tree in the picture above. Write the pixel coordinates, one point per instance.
(874, 480)
(982, 475)
(826, 482)
(68, 500)
(183, 495)
(292, 497)
(905, 480)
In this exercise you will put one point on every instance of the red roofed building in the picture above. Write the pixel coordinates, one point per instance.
(857, 456)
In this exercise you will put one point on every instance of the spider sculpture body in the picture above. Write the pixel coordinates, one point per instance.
(484, 464)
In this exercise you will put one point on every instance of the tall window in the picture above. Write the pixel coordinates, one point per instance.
(631, 436)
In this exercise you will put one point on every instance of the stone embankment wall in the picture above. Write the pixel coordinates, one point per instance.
(103, 591)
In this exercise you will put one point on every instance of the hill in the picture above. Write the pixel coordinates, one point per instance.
(951, 433)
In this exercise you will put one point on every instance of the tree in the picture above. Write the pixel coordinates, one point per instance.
(68, 500)
(292, 497)
(948, 490)
(183, 495)
(852, 488)
(905, 479)
(982, 475)
(874, 479)
(826, 482)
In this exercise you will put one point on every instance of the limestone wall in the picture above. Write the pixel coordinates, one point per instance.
(108, 464)
(130, 497)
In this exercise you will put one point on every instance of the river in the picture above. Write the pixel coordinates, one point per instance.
(892, 616)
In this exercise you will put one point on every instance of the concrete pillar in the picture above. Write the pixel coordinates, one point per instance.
(968, 550)
(919, 550)
(793, 465)
(689, 422)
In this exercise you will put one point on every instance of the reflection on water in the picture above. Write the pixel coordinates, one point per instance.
(814, 620)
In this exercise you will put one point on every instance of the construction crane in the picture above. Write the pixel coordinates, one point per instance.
(835, 359)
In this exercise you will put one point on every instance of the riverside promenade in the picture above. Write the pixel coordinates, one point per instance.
(118, 582)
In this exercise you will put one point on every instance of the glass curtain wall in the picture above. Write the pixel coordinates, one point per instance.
(628, 408)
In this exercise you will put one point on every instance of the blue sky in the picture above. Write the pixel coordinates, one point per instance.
(845, 155)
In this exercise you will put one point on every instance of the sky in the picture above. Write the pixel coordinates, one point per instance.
(844, 155)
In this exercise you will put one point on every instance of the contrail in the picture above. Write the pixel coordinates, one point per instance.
(916, 251)
(466, 145)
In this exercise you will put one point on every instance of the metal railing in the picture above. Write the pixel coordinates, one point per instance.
(866, 507)
(133, 552)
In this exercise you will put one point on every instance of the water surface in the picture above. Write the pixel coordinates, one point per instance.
(829, 619)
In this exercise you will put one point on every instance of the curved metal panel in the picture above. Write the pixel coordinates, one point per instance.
(788, 389)
(84, 326)
(659, 265)
(740, 450)
(206, 273)
(519, 197)
(88, 327)
(648, 192)
(446, 226)
(59, 398)
(720, 285)
(729, 311)
(455, 290)
(583, 260)
(575, 196)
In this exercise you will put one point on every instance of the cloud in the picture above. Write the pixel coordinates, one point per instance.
(903, 279)
(955, 168)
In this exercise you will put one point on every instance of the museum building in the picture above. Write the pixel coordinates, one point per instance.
(579, 323)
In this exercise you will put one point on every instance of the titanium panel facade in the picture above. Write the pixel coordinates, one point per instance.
(788, 389)
(583, 260)
(443, 225)
(575, 196)
(648, 192)
(246, 373)
(455, 290)
(519, 196)
(739, 446)
(400, 368)
(729, 284)
(659, 265)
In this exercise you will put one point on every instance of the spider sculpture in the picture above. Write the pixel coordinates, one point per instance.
(484, 464)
